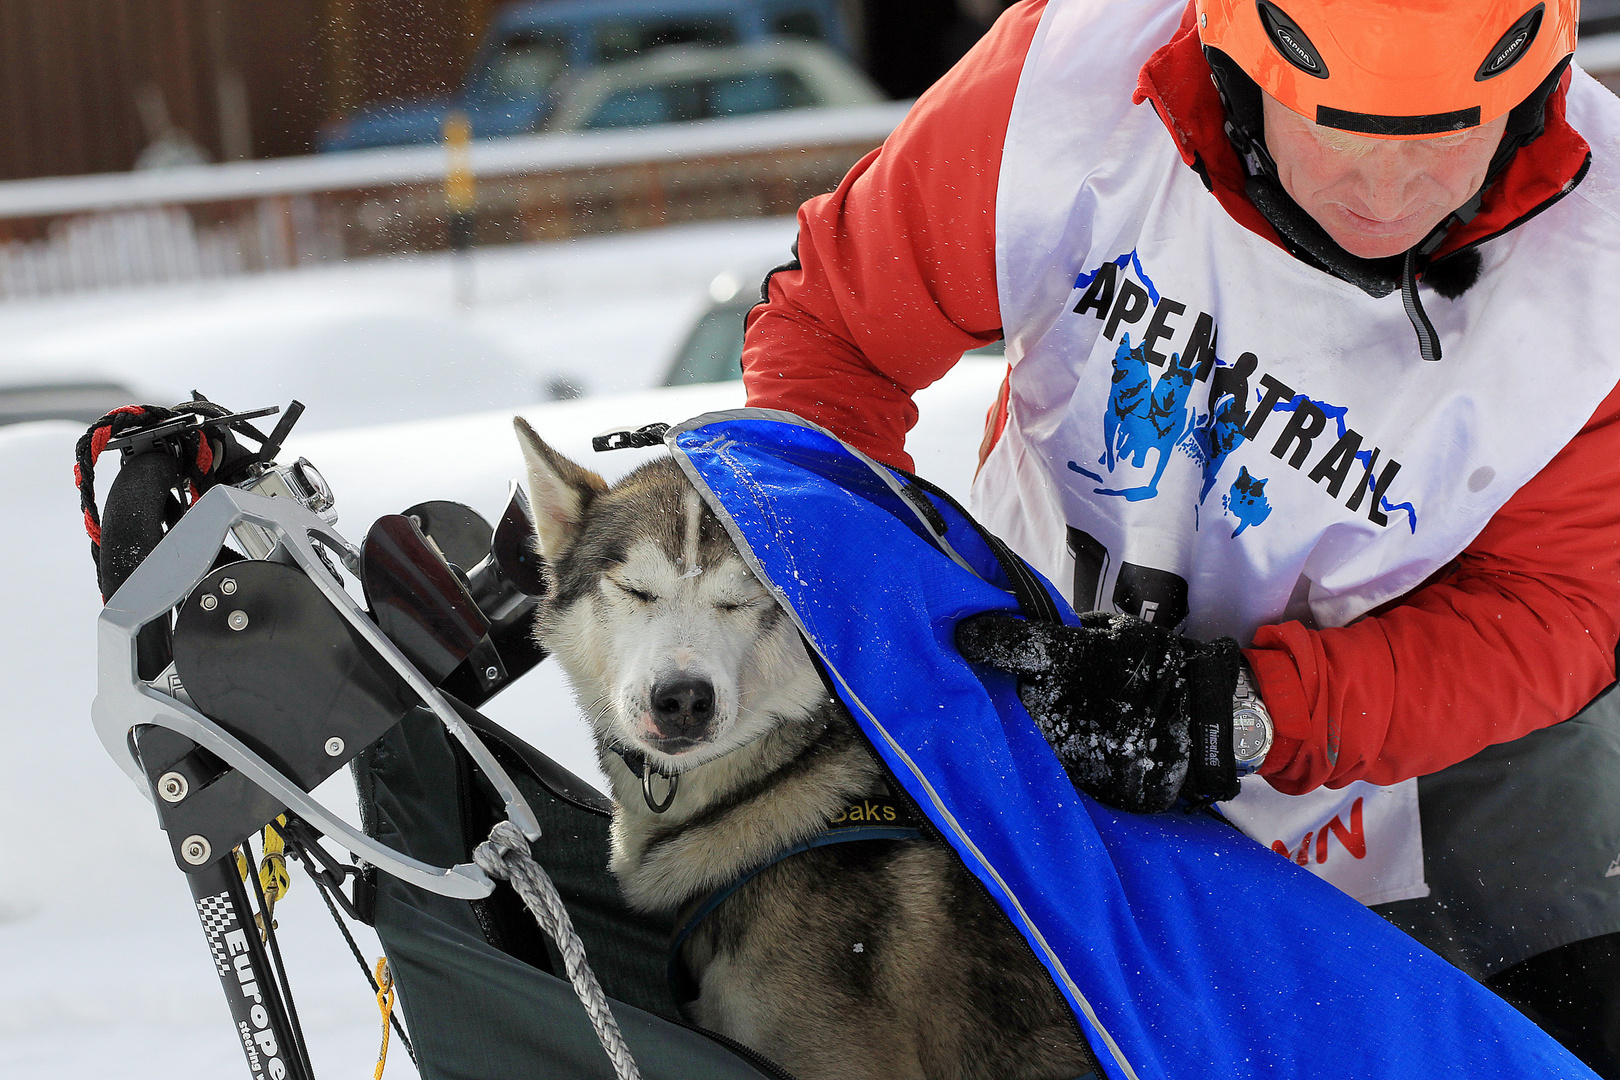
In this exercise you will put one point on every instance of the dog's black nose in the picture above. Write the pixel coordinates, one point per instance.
(683, 705)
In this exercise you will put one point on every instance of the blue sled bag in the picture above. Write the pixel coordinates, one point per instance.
(1186, 950)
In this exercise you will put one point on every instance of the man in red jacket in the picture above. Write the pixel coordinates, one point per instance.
(1223, 426)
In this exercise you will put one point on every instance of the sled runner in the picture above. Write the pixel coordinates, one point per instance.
(238, 670)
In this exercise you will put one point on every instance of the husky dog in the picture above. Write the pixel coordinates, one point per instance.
(882, 959)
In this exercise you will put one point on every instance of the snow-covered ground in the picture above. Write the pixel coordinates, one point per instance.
(385, 339)
(102, 969)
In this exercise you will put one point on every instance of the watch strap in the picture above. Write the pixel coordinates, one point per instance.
(1243, 691)
(1212, 672)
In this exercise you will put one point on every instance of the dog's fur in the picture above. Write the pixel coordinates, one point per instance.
(885, 959)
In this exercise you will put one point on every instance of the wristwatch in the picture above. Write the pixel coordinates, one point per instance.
(1251, 724)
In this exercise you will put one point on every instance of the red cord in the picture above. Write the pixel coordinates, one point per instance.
(99, 438)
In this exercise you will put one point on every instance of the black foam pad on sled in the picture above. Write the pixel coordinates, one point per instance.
(461, 532)
(140, 506)
(264, 654)
(417, 599)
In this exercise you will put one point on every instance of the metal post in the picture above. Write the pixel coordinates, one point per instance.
(461, 201)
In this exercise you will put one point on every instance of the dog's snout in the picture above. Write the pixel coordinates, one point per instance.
(683, 705)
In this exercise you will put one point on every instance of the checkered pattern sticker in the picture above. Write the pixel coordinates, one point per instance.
(217, 917)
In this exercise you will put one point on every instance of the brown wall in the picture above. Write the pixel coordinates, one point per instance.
(73, 71)
(386, 50)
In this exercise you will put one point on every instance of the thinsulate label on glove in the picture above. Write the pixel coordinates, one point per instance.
(1363, 839)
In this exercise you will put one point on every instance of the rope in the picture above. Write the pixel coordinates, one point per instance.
(359, 958)
(505, 856)
(385, 1003)
(89, 448)
(273, 867)
(278, 969)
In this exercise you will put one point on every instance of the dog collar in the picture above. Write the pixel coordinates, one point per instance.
(640, 765)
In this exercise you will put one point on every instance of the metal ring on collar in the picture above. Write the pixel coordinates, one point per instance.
(647, 772)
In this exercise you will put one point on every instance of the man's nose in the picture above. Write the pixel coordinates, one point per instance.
(1388, 181)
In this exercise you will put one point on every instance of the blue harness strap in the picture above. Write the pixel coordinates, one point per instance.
(1184, 948)
(680, 980)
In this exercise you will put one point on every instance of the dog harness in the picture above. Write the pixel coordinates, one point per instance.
(875, 817)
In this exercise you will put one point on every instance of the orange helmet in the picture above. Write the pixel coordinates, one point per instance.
(1398, 69)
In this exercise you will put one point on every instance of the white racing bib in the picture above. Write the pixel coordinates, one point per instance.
(1363, 838)
(1211, 435)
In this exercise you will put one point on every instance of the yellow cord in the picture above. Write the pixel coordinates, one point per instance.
(273, 876)
(385, 1003)
(275, 881)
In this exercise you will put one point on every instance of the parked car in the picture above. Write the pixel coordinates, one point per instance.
(712, 349)
(84, 401)
(1599, 53)
(533, 49)
(703, 83)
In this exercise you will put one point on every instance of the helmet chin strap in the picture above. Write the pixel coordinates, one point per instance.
(1307, 240)
(1376, 277)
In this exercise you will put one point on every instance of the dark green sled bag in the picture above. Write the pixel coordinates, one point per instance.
(484, 992)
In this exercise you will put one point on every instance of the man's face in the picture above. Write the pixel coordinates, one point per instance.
(1376, 197)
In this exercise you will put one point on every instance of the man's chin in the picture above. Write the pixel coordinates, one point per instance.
(1381, 250)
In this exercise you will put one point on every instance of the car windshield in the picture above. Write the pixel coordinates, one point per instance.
(627, 40)
(798, 23)
(700, 98)
(526, 64)
(713, 352)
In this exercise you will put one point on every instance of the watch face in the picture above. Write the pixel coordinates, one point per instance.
(1250, 735)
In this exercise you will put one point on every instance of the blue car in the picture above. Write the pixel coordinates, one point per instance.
(534, 48)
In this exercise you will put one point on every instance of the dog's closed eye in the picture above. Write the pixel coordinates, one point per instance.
(735, 605)
(638, 594)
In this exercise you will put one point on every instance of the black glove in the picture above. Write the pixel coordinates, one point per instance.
(1137, 714)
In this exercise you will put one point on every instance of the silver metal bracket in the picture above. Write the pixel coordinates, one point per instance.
(164, 580)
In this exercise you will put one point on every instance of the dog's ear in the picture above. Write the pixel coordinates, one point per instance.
(559, 491)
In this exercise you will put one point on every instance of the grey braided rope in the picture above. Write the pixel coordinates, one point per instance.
(505, 856)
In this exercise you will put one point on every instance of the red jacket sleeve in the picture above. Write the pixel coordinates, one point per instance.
(1519, 635)
(897, 271)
